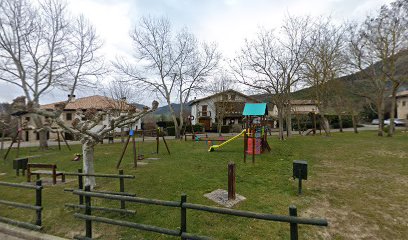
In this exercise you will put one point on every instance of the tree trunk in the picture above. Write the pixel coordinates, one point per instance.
(354, 120)
(2, 138)
(88, 162)
(42, 132)
(176, 125)
(280, 119)
(393, 104)
(289, 120)
(219, 127)
(43, 138)
(340, 123)
(380, 112)
(325, 124)
(122, 135)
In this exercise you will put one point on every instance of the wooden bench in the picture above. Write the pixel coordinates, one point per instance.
(53, 171)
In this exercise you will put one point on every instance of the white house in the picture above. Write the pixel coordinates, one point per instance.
(225, 106)
(299, 107)
(402, 104)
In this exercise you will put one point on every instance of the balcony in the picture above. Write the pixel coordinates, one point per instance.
(204, 114)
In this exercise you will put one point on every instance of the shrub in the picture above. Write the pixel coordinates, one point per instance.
(236, 128)
(225, 129)
(171, 131)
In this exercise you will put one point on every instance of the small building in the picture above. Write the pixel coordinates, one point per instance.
(402, 104)
(226, 106)
(299, 107)
(99, 103)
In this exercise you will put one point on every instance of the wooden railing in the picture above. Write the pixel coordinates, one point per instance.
(37, 207)
(183, 205)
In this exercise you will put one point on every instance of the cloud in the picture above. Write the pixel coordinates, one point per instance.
(226, 22)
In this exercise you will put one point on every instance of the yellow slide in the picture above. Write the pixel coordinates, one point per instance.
(212, 148)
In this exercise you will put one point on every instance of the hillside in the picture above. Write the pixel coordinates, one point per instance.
(355, 79)
(164, 110)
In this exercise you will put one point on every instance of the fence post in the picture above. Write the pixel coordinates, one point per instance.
(293, 226)
(88, 223)
(122, 188)
(38, 201)
(231, 181)
(80, 186)
(183, 219)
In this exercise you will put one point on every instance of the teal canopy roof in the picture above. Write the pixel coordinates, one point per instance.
(255, 109)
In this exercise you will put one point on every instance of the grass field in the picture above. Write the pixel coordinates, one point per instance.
(357, 181)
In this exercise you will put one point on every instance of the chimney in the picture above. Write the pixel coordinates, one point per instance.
(72, 97)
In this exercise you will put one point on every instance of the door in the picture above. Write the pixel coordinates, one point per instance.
(206, 123)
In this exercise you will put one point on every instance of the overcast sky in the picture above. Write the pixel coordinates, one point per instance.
(226, 22)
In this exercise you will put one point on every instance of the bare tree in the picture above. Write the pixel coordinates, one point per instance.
(295, 42)
(256, 67)
(325, 63)
(376, 46)
(123, 93)
(92, 126)
(272, 65)
(41, 49)
(222, 105)
(171, 66)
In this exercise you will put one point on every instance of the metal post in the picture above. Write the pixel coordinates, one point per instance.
(231, 181)
(157, 141)
(245, 145)
(253, 146)
(122, 188)
(183, 219)
(293, 226)
(88, 223)
(80, 186)
(300, 181)
(38, 201)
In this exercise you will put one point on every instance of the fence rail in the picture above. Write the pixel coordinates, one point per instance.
(37, 207)
(121, 176)
(292, 219)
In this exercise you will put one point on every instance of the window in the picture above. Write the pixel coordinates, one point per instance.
(27, 119)
(232, 96)
(204, 110)
(403, 103)
(68, 116)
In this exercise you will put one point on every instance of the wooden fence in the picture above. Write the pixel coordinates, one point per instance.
(121, 192)
(37, 207)
(292, 218)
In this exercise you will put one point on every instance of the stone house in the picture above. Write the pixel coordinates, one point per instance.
(99, 103)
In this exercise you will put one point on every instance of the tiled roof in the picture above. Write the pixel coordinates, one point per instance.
(97, 102)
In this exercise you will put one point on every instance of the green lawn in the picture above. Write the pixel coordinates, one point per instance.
(357, 181)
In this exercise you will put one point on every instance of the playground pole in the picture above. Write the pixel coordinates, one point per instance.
(123, 152)
(59, 141)
(134, 150)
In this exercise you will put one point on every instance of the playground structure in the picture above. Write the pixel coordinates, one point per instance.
(18, 132)
(140, 156)
(255, 132)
